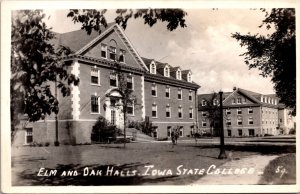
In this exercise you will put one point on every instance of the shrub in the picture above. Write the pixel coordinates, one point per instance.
(103, 130)
(144, 126)
(292, 131)
(47, 144)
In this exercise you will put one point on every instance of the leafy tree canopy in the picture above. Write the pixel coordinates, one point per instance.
(35, 63)
(275, 53)
(93, 19)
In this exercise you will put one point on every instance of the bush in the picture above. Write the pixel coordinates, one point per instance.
(292, 131)
(102, 131)
(47, 144)
(144, 126)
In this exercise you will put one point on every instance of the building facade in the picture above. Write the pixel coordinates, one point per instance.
(164, 94)
(246, 113)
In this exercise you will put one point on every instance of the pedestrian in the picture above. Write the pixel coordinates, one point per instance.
(173, 137)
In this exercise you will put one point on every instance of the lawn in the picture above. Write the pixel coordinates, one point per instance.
(281, 170)
(131, 163)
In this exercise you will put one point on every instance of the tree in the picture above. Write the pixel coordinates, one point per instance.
(275, 53)
(35, 64)
(213, 111)
(127, 99)
(92, 19)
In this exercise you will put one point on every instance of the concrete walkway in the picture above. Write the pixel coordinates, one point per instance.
(258, 162)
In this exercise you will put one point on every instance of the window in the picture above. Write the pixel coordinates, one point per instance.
(130, 82)
(250, 111)
(227, 112)
(229, 132)
(168, 111)
(181, 131)
(203, 102)
(233, 100)
(240, 131)
(122, 56)
(95, 104)
(239, 120)
(204, 124)
(180, 112)
(191, 113)
(112, 53)
(103, 51)
(167, 71)
(167, 92)
(152, 68)
(189, 77)
(203, 113)
(178, 74)
(190, 95)
(250, 121)
(113, 80)
(95, 76)
(280, 120)
(154, 89)
(239, 100)
(169, 128)
(228, 121)
(179, 94)
(251, 132)
(154, 111)
(155, 132)
(28, 136)
(130, 108)
(239, 111)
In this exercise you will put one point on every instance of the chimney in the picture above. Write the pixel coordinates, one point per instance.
(234, 88)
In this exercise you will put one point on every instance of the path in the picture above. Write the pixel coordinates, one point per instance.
(258, 162)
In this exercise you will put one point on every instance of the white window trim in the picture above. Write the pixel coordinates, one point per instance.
(251, 118)
(99, 82)
(189, 77)
(228, 119)
(152, 71)
(99, 105)
(180, 108)
(190, 95)
(155, 111)
(181, 130)
(104, 50)
(237, 112)
(117, 82)
(203, 123)
(170, 112)
(178, 74)
(132, 81)
(168, 131)
(237, 101)
(237, 121)
(192, 113)
(180, 94)
(249, 110)
(203, 102)
(122, 52)
(168, 74)
(155, 87)
(115, 49)
(169, 89)
(226, 111)
(203, 112)
(132, 110)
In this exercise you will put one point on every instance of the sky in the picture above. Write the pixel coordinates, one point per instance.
(205, 46)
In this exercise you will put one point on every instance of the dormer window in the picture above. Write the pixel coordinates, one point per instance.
(178, 74)
(189, 77)
(167, 71)
(152, 68)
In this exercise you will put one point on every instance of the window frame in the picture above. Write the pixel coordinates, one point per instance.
(191, 111)
(168, 90)
(28, 134)
(98, 104)
(105, 50)
(155, 89)
(122, 53)
(251, 111)
(168, 109)
(112, 52)
(155, 107)
(190, 95)
(251, 119)
(130, 105)
(98, 76)
(132, 81)
(180, 112)
(179, 92)
(116, 79)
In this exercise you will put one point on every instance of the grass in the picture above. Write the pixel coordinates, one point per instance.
(26, 162)
(281, 170)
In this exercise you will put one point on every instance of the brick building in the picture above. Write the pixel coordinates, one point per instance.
(246, 113)
(164, 94)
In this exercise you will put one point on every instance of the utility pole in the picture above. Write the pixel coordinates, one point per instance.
(56, 142)
(222, 154)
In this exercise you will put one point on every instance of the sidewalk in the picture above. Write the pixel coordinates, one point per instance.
(258, 162)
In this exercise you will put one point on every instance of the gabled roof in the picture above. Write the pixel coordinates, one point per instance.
(81, 37)
(184, 72)
(174, 69)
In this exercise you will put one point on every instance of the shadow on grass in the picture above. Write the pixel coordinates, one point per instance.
(91, 175)
(262, 149)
